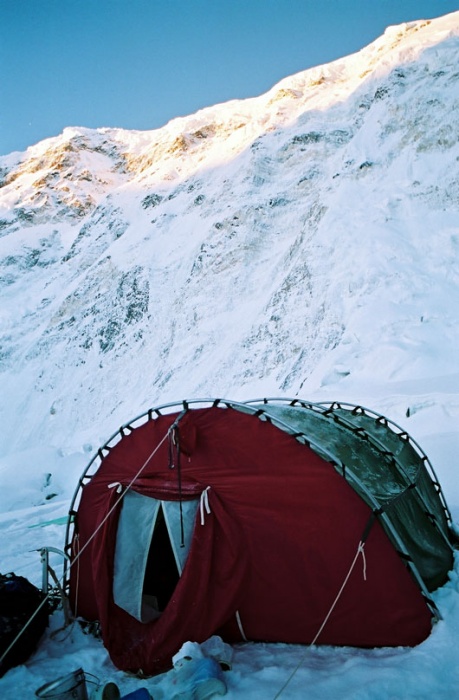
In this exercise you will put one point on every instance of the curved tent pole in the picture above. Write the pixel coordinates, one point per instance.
(145, 417)
(410, 483)
(119, 499)
(391, 424)
(142, 418)
(323, 407)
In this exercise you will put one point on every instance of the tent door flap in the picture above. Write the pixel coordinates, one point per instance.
(150, 552)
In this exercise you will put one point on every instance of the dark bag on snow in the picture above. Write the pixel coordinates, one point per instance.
(19, 601)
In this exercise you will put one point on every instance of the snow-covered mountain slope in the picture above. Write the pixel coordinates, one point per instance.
(301, 243)
(270, 245)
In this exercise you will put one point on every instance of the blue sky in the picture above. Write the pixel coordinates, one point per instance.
(136, 64)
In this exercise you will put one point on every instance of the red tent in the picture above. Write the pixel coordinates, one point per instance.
(226, 519)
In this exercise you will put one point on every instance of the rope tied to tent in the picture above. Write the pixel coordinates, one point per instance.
(174, 442)
(204, 506)
(359, 552)
(76, 559)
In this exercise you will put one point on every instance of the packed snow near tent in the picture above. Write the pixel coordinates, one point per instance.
(304, 243)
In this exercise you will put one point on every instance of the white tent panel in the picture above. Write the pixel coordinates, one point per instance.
(135, 531)
(173, 522)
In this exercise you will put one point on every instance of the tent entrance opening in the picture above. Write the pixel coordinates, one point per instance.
(152, 544)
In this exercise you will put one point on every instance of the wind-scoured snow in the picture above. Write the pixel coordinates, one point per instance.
(302, 243)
